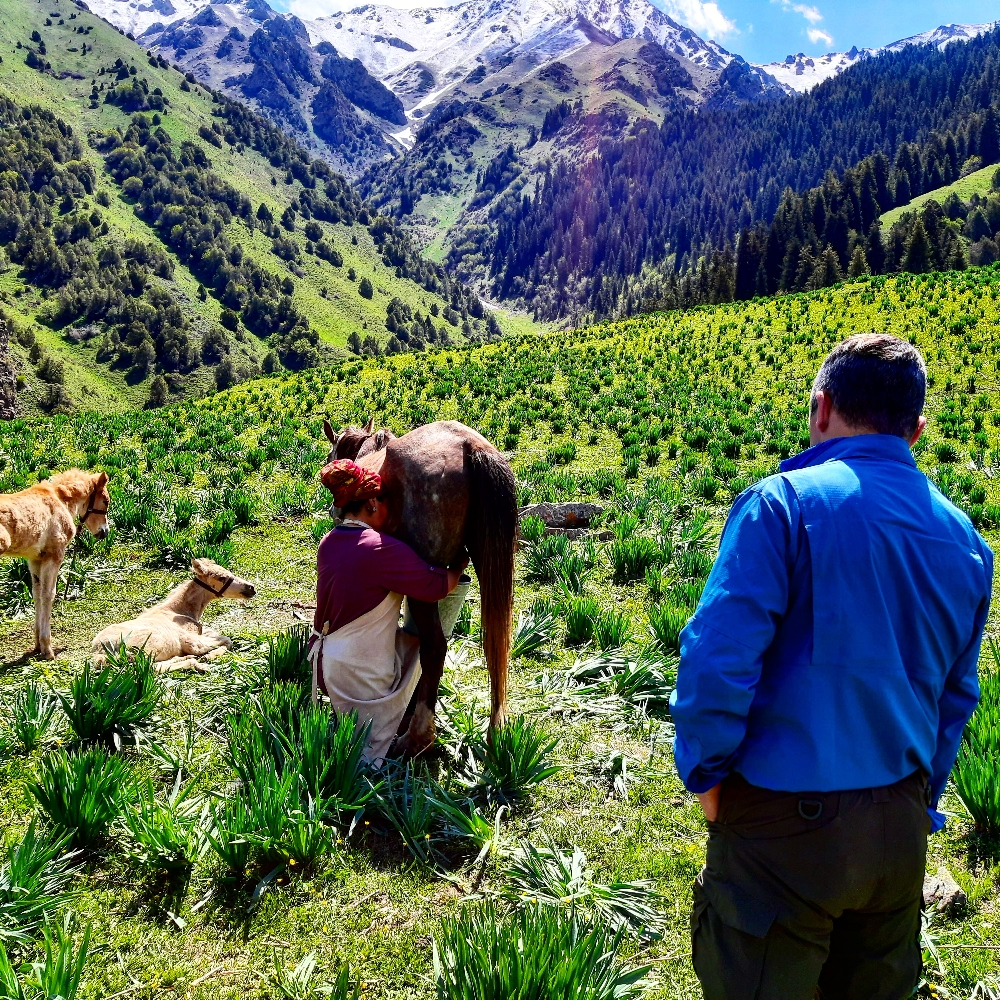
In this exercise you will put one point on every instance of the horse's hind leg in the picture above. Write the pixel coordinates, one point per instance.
(433, 650)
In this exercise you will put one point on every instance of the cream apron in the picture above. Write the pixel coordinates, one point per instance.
(370, 665)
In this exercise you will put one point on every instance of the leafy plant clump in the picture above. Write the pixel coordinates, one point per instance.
(36, 879)
(82, 793)
(977, 770)
(30, 716)
(532, 952)
(108, 706)
(517, 759)
(545, 875)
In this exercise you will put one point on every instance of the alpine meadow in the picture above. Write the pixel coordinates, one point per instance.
(194, 280)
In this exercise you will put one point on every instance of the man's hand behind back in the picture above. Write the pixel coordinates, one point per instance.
(710, 802)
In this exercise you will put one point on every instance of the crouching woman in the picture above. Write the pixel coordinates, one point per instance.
(362, 660)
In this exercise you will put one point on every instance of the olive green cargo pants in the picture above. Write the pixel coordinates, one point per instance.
(812, 895)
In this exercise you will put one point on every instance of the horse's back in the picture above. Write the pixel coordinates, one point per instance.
(426, 476)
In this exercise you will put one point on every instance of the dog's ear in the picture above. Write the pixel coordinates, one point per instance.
(370, 426)
(101, 481)
(331, 434)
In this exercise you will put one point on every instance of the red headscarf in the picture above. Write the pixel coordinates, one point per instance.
(348, 481)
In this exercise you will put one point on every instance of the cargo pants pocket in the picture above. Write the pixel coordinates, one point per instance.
(729, 941)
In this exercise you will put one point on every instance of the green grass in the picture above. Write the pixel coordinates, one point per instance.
(977, 182)
(701, 382)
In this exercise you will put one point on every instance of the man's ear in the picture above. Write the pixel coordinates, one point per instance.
(921, 425)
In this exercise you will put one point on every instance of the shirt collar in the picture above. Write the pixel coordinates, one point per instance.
(887, 447)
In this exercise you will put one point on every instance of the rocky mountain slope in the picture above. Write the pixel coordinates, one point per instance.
(354, 86)
(801, 72)
(159, 240)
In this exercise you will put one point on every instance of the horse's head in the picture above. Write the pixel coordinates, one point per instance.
(356, 442)
(220, 581)
(94, 517)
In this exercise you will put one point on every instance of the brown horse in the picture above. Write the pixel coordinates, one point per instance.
(39, 523)
(449, 491)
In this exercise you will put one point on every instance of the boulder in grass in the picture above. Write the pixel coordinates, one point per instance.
(941, 890)
(562, 515)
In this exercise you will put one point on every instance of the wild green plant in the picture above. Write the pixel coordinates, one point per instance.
(184, 511)
(16, 600)
(109, 705)
(531, 953)
(462, 819)
(30, 715)
(83, 792)
(655, 581)
(665, 625)
(542, 557)
(59, 974)
(534, 630)
(229, 834)
(977, 770)
(330, 758)
(630, 557)
(580, 614)
(644, 682)
(287, 656)
(612, 629)
(298, 984)
(307, 837)
(405, 800)
(271, 798)
(518, 757)
(572, 570)
(36, 879)
(532, 529)
(167, 832)
(282, 730)
(546, 875)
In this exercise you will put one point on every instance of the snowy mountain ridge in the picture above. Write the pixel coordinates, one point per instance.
(801, 72)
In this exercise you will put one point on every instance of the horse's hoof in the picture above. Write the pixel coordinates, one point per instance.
(422, 732)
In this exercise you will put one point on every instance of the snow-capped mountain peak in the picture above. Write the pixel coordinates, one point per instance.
(801, 72)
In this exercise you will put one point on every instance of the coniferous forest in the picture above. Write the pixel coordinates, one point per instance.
(655, 218)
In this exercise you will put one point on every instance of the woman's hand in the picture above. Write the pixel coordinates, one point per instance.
(455, 575)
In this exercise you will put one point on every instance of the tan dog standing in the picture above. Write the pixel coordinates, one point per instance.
(172, 630)
(38, 524)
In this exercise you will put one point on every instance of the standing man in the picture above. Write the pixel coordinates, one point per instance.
(824, 684)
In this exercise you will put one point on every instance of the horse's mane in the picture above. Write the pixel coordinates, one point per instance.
(71, 484)
(356, 442)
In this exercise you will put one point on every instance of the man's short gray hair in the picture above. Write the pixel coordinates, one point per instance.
(875, 381)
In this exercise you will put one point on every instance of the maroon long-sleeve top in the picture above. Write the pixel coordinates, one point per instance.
(357, 567)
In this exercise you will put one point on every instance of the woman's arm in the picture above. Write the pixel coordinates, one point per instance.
(400, 569)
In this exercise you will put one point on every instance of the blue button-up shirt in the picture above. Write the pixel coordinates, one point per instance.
(837, 640)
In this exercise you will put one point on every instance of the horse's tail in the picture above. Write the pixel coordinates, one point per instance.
(491, 542)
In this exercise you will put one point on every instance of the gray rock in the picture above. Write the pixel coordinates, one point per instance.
(562, 515)
(941, 890)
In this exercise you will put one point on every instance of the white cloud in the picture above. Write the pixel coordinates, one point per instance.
(811, 14)
(817, 35)
(706, 19)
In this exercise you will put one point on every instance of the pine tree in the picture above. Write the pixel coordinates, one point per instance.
(917, 258)
(157, 392)
(859, 263)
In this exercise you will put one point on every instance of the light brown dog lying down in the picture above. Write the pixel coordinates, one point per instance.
(172, 630)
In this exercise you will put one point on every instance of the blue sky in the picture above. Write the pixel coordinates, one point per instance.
(769, 30)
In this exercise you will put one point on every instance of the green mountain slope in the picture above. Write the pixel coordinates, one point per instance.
(978, 182)
(662, 420)
(69, 62)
